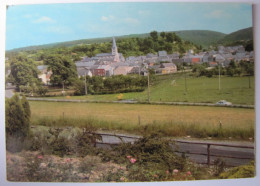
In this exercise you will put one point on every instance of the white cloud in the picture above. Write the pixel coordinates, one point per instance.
(131, 20)
(144, 12)
(107, 18)
(57, 29)
(44, 19)
(218, 14)
(27, 16)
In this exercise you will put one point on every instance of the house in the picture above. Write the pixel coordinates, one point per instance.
(122, 70)
(213, 64)
(167, 68)
(84, 72)
(97, 71)
(162, 53)
(218, 58)
(135, 70)
(195, 60)
(45, 74)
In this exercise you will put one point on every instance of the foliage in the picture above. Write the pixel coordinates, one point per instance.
(113, 84)
(150, 155)
(133, 45)
(205, 38)
(219, 166)
(33, 90)
(79, 87)
(63, 69)
(17, 116)
(243, 67)
(243, 171)
(23, 71)
(56, 141)
(243, 34)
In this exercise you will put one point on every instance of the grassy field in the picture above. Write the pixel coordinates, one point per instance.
(171, 120)
(202, 89)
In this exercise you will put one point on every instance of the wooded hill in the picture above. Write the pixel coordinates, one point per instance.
(203, 38)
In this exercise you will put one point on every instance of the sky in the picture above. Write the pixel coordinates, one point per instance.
(28, 25)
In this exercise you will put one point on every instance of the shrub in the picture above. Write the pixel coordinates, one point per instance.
(244, 171)
(147, 159)
(17, 115)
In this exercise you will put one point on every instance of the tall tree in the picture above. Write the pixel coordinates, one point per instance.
(63, 69)
(154, 35)
(23, 71)
(169, 37)
(163, 34)
(17, 118)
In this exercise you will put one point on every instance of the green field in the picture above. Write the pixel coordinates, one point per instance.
(202, 90)
(171, 120)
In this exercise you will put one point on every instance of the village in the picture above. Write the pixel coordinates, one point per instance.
(114, 63)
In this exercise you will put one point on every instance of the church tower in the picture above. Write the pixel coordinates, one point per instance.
(114, 51)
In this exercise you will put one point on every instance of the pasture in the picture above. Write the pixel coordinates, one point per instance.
(171, 120)
(238, 90)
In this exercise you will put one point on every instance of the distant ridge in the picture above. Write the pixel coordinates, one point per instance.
(243, 34)
(205, 38)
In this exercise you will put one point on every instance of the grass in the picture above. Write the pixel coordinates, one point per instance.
(171, 120)
(203, 90)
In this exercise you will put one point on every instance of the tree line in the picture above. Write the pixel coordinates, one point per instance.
(234, 69)
(109, 85)
(136, 46)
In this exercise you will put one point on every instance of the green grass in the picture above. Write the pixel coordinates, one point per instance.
(171, 120)
(202, 90)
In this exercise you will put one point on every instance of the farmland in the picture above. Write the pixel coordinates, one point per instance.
(172, 120)
(238, 90)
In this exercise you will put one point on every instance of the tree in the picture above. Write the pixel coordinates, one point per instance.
(154, 35)
(169, 37)
(79, 87)
(163, 34)
(63, 70)
(17, 117)
(23, 71)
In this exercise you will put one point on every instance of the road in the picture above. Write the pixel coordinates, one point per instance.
(9, 92)
(192, 151)
(140, 102)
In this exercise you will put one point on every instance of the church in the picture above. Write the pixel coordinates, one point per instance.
(108, 58)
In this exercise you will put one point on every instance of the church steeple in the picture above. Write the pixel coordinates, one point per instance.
(114, 47)
(114, 51)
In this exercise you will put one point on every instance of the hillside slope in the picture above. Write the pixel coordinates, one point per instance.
(205, 38)
(240, 35)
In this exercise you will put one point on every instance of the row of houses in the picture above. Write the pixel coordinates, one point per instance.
(114, 63)
(223, 56)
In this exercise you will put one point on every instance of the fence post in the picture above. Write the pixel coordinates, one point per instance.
(208, 151)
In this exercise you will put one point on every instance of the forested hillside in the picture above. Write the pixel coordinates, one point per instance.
(135, 46)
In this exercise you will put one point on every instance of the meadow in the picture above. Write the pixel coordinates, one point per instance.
(197, 121)
(167, 88)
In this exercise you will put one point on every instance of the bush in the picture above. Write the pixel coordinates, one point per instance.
(244, 171)
(147, 159)
(17, 115)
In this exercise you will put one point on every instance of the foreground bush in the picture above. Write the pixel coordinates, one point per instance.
(17, 117)
(151, 158)
(244, 171)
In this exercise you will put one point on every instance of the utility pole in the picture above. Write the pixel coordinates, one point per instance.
(219, 76)
(249, 83)
(86, 90)
(148, 86)
(183, 71)
(63, 92)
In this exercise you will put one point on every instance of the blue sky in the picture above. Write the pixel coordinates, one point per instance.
(28, 25)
